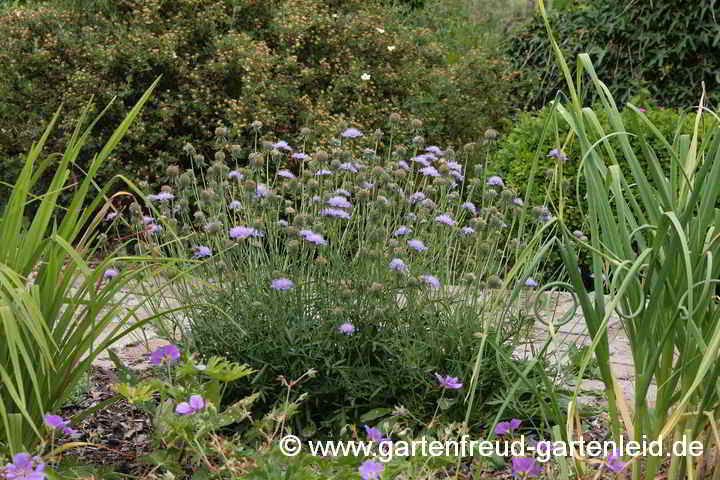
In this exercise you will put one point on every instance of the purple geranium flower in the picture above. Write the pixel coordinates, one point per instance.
(371, 469)
(352, 133)
(111, 273)
(526, 466)
(615, 463)
(22, 468)
(495, 180)
(194, 404)
(166, 353)
(506, 427)
(445, 219)
(448, 381)
(335, 212)
(375, 435)
(282, 284)
(339, 201)
(398, 265)
(202, 251)
(430, 172)
(431, 280)
(285, 173)
(347, 328)
(244, 232)
(282, 145)
(417, 245)
(58, 422)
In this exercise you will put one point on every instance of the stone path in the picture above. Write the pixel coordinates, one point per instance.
(134, 349)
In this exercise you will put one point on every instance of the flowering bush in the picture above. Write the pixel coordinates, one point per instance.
(374, 269)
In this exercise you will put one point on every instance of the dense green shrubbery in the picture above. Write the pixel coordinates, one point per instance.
(667, 46)
(517, 150)
(288, 64)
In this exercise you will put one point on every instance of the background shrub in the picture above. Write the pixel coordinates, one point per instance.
(666, 46)
(288, 64)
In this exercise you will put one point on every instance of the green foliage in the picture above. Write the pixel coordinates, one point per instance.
(537, 133)
(288, 64)
(666, 46)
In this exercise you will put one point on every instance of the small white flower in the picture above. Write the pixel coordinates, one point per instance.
(391, 48)
(365, 76)
(379, 30)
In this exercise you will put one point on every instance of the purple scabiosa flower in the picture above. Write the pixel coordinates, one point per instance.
(202, 251)
(339, 201)
(300, 156)
(25, 467)
(316, 199)
(262, 191)
(470, 207)
(236, 175)
(518, 201)
(428, 203)
(194, 404)
(166, 353)
(375, 435)
(234, 205)
(111, 216)
(282, 145)
(457, 175)
(282, 223)
(495, 180)
(162, 196)
(111, 273)
(313, 237)
(154, 228)
(434, 149)
(148, 220)
(430, 172)
(530, 282)
(322, 172)
(244, 232)
(351, 133)
(416, 197)
(526, 467)
(58, 422)
(454, 166)
(371, 469)
(615, 463)
(403, 164)
(417, 245)
(503, 428)
(448, 382)
(285, 173)
(402, 230)
(421, 159)
(445, 219)
(558, 154)
(341, 191)
(349, 166)
(347, 328)
(431, 280)
(367, 185)
(398, 265)
(282, 284)
(467, 231)
(335, 212)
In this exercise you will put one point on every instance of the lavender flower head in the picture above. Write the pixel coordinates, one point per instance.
(417, 197)
(244, 232)
(421, 160)
(202, 251)
(530, 282)
(495, 180)
(470, 207)
(402, 230)
(347, 328)
(194, 404)
(349, 166)
(234, 205)
(22, 468)
(285, 173)
(430, 171)
(467, 231)
(431, 280)
(300, 156)
(166, 353)
(339, 201)
(558, 154)
(313, 237)
(448, 381)
(434, 149)
(262, 191)
(58, 422)
(335, 212)
(403, 164)
(342, 191)
(418, 245)
(398, 265)
(445, 219)
(282, 284)
(111, 273)
(526, 467)
(148, 220)
(351, 133)
(236, 175)
(371, 469)
(282, 145)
